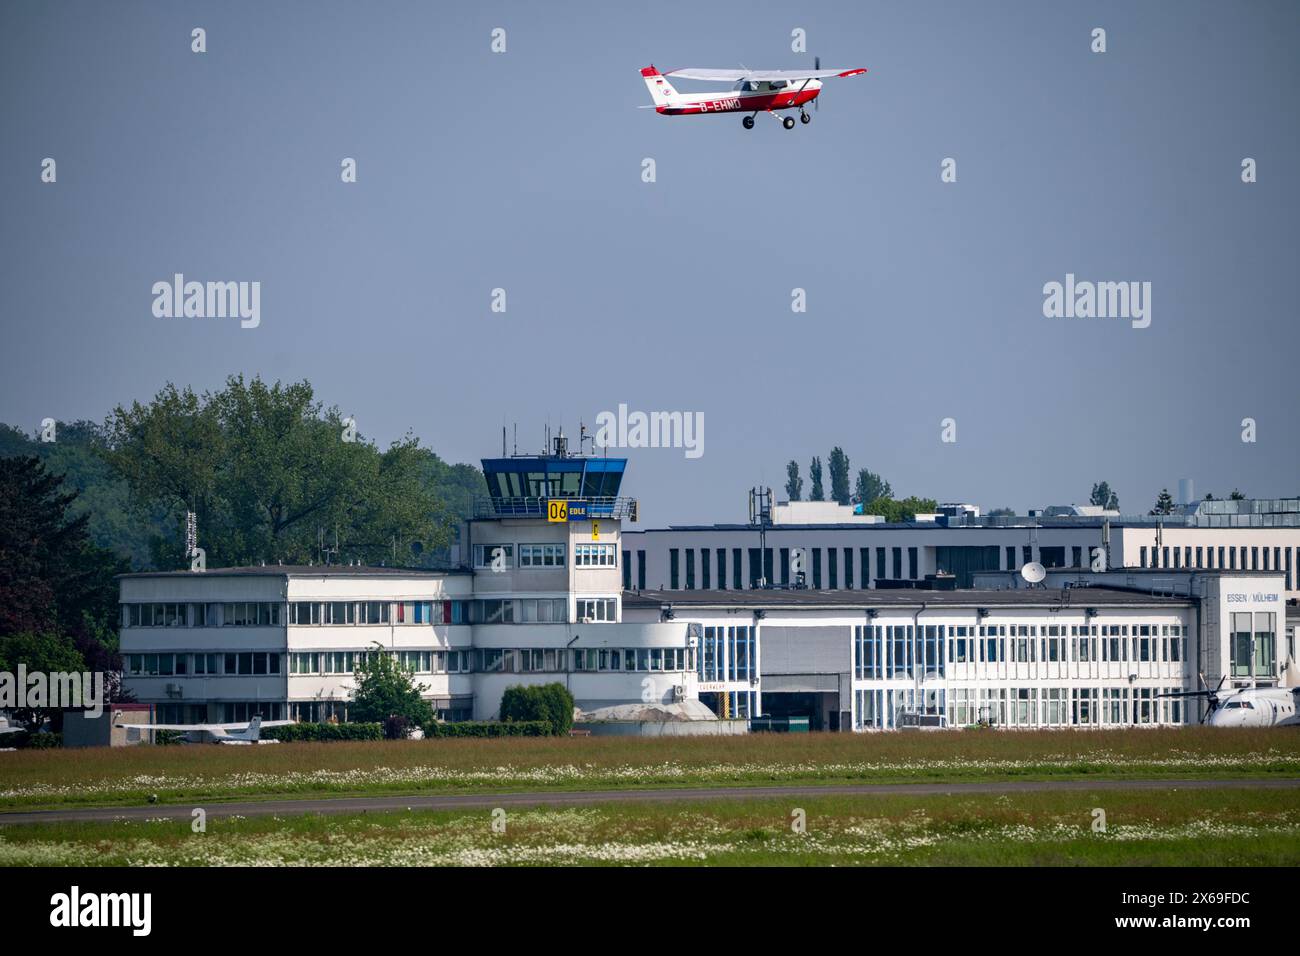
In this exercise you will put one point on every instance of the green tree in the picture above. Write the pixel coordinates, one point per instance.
(77, 453)
(1236, 496)
(1002, 513)
(270, 473)
(47, 653)
(550, 702)
(839, 466)
(870, 486)
(815, 473)
(903, 510)
(1164, 503)
(1103, 497)
(385, 691)
(793, 483)
(53, 580)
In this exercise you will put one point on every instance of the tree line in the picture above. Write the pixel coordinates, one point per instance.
(870, 490)
(271, 474)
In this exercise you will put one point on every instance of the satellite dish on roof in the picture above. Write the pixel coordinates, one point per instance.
(1033, 572)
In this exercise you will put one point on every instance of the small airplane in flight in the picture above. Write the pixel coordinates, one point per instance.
(242, 734)
(1248, 706)
(754, 92)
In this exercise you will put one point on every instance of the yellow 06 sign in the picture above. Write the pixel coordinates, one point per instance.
(557, 510)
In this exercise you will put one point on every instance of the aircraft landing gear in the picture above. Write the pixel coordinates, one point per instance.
(788, 122)
(804, 117)
(748, 122)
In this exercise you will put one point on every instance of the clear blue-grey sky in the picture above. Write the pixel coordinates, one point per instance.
(522, 170)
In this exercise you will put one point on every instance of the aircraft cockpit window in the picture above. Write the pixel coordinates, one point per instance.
(778, 84)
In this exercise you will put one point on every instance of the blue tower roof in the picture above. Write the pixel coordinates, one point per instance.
(544, 476)
(521, 485)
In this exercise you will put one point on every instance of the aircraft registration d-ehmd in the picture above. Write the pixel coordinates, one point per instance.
(755, 91)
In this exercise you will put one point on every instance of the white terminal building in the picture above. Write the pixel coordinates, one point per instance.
(854, 623)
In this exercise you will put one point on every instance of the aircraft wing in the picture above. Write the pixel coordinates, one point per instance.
(731, 76)
(210, 728)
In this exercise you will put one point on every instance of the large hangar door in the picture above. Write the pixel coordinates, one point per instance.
(803, 669)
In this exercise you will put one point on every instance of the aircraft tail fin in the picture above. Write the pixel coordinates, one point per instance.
(661, 91)
(255, 728)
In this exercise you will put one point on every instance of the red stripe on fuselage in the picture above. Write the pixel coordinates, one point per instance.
(743, 103)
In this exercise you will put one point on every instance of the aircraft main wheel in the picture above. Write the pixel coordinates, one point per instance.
(749, 122)
(805, 118)
(788, 122)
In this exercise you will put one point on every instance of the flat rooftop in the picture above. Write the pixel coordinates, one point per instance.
(301, 571)
(809, 599)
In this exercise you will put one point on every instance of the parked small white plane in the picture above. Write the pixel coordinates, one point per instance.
(243, 734)
(1248, 706)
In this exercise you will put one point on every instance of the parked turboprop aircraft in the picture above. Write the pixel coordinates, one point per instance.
(1248, 706)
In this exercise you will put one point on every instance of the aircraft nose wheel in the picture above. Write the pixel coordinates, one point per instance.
(748, 122)
(788, 122)
(804, 117)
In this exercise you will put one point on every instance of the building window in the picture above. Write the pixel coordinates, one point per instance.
(541, 555)
(251, 614)
(597, 556)
(543, 610)
(494, 556)
(1240, 645)
(596, 610)
(1265, 644)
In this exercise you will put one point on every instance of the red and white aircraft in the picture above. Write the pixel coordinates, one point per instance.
(755, 91)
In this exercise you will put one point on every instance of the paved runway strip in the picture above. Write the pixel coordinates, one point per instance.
(488, 801)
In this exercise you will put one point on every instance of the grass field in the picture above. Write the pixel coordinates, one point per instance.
(101, 776)
(1185, 828)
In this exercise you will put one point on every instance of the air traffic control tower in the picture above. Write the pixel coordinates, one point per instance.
(545, 549)
(551, 526)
